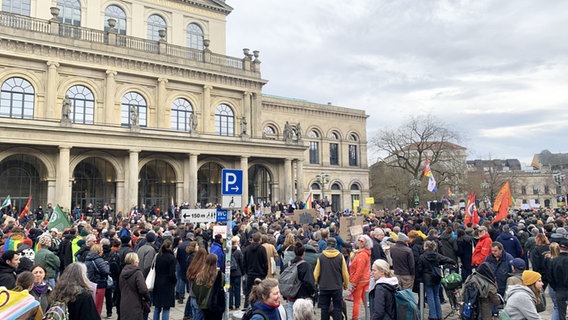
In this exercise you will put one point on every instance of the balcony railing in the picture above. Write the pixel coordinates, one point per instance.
(111, 38)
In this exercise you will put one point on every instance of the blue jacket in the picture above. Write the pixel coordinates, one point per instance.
(501, 268)
(511, 244)
(217, 249)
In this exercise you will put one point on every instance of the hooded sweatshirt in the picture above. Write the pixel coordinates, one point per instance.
(255, 261)
(383, 299)
(331, 270)
(521, 303)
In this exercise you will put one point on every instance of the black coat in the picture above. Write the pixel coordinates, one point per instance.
(377, 252)
(7, 276)
(426, 264)
(133, 290)
(165, 284)
(83, 308)
(306, 275)
(255, 261)
(97, 269)
(237, 262)
(465, 250)
(382, 297)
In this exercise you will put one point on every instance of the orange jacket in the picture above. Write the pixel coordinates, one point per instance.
(482, 250)
(360, 267)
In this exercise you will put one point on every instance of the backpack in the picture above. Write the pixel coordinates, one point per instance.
(289, 282)
(406, 306)
(470, 308)
(249, 313)
(57, 311)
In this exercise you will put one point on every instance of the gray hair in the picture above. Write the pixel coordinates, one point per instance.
(377, 232)
(368, 241)
(303, 309)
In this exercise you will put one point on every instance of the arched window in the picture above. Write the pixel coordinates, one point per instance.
(70, 12)
(334, 149)
(136, 101)
(82, 104)
(17, 101)
(155, 24)
(181, 112)
(314, 147)
(269, 130)
(17, 6)
(354, 187)
(335, 186)
(194, 36)
(224, 121)
(353, 150)
(116, 13)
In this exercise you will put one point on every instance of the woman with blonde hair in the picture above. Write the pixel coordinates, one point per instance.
(287, 250)
(271, 255)
(522, 299)
(359, 273)
(382, 296)
(548, 256)
(134, 297)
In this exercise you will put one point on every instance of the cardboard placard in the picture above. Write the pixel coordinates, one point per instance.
(345, 224)
(356, 230)
(305, 216)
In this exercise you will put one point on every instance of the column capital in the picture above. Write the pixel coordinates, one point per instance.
(247, 93)
(134, 150)
(111, 73)
(64, 147)
(193, 154)
(163, 80)
(53, 64)
(207, 87)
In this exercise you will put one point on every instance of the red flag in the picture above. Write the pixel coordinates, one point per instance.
(469, 209)
(502, 202)
(26, 208)
(475, 220)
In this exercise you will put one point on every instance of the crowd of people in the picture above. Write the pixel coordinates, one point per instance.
(100, 266)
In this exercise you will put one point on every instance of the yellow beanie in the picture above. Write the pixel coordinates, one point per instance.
(530, 277)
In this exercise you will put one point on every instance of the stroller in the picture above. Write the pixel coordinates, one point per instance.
(452, 282)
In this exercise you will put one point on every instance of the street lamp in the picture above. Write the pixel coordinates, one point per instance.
(485, 186)
(415, 183)
(322, 179)
(559, 179)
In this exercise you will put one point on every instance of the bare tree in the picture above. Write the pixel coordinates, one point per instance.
(422, 137)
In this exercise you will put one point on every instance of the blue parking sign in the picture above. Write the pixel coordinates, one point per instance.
(231, 182)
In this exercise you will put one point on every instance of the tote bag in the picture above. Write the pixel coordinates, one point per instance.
(151, 277)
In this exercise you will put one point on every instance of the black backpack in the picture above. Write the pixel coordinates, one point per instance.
(249, 313)
(470, 309)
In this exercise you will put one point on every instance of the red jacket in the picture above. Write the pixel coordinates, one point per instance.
(360, 266)
(482, 250)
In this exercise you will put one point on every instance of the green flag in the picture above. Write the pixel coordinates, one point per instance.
(58, 219)
(7, 202)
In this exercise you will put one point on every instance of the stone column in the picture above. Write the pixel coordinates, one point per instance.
(121, 202)
(51, 189)
(205, 111)
(300, 179)
(132, 184)
(51, 110)
(287, 180)
(110, 90)
(276, 192)
(160, 110)
(63, 194)
(192, 190)
(179, 194)
(244, 167)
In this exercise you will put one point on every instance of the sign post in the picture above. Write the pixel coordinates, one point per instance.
(232, 191)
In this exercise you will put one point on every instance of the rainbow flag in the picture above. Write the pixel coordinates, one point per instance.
(17, 304)
(13, 241)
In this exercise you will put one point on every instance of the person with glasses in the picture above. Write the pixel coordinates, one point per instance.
(522, 299)
(359, 275)
(483, 247)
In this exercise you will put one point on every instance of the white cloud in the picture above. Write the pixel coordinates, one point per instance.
(495, 70)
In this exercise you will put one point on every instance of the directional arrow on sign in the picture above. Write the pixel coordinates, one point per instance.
(236, 188)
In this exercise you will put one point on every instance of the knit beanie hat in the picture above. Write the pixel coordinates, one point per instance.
(530, 277)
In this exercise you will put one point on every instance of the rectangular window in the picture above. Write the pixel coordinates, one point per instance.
(314, 152)
(524, 190)
(334, 154)
(546, 190)
(353, 157)
(535, 190)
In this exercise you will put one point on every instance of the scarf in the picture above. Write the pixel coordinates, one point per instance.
(40, 288)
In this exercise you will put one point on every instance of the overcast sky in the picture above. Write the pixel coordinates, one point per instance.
(496, 71)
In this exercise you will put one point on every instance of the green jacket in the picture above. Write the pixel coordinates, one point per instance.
(49, 260)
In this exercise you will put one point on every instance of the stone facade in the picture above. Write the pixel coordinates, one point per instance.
(127, 138)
